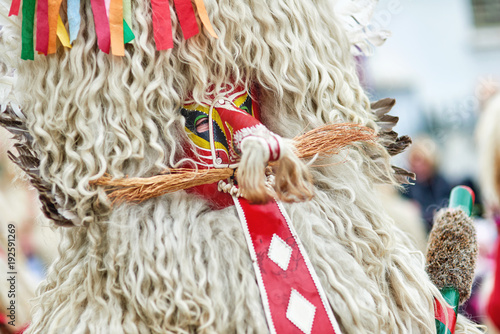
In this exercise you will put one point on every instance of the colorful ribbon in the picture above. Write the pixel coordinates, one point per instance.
(27, 50)
(62, 33)
(54, 6)
(202, 12)
(162, 25)
(187, 18)
(116, 27)
(14, 7)
(128, 35)
(42, 26)
(101, 25)
(73, 19)
(127, 12)
(113, 22)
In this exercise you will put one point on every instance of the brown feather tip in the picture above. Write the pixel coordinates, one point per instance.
(28, 161)
(403, 176)
(382, 106)
(452, 251)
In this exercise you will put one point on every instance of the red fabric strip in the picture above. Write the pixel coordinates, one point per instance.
(42, 26)
(162, 25)
(441, 312)
(101, 24)
(187, 18)
(263, 222)
(14, 7)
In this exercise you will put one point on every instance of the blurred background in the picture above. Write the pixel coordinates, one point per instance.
(441, 64)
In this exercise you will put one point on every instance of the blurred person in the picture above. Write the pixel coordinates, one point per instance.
(431, 190)
(488, 138)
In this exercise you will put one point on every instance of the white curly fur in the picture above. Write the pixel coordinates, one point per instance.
(171, 264)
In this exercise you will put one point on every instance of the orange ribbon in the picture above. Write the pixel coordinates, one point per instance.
(54, 6)
(116, 27)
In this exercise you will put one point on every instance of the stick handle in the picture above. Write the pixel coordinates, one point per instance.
(443, 313)
(462, 197)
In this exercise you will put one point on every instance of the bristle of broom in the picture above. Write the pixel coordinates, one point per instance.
(139, 189)
(325, 140)
(452, 251)
(330, 139)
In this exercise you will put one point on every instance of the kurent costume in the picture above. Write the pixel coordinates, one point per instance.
(163, 141)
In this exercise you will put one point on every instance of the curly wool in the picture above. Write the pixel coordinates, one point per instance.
(92, 113)
(171, 264)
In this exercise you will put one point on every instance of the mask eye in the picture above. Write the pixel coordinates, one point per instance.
(201, 124)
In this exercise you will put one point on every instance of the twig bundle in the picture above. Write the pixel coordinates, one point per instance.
(325, 140)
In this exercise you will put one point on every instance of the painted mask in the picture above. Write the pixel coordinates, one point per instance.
(217, 143)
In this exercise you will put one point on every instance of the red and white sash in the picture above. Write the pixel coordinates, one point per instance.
(293, 298)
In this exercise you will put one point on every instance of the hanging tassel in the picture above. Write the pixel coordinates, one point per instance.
(112, 19)
(73, 19)
(101, 25)
(116, 27)
(202, 13)
(14, 7)
(187, 18)
(62, 33)
(162, 25)
(42, 26)
(27, 50)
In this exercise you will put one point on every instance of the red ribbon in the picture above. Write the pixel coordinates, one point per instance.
(187, 18)
(14, 7)
(101, 25)
(162, 26)
(42, 26)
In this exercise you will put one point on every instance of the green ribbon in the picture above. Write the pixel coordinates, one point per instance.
(27, 49)
(128, 35)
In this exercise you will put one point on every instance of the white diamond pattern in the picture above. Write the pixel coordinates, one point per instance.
(300, 312)
(279, 252)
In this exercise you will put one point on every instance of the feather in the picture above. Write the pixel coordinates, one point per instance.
(402, 175)
(28, 161)
(389, 138)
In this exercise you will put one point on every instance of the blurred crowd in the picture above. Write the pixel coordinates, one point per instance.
(414, 207)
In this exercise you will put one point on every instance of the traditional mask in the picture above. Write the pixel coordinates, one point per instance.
(229, 115)
(217, 137)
